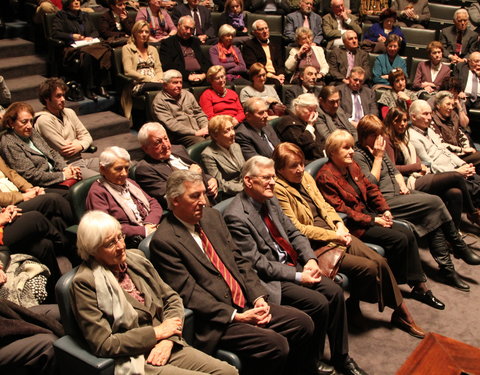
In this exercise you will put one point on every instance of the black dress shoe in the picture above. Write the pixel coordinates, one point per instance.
(427, 298)
(349, 367)
(90, 95)
(324, 369)
(103, 92)
(452, 279)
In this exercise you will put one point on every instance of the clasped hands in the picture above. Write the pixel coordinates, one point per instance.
(160, 353)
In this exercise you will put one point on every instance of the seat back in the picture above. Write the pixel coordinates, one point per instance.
(62, 292)
(215, 17)
(275, 22)
(197, 91)
(412, 69)
(315, 166)
(417, 40)
(195, 150)
(117, 60)
(78, 195)
(222, 206)
(441, 15)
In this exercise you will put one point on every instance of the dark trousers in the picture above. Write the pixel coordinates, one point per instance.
(325, 304)
(278, 348)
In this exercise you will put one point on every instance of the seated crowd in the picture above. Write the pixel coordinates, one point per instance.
(235, 118)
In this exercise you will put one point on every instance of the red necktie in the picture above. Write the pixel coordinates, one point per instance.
(235, 289)
(275, 233)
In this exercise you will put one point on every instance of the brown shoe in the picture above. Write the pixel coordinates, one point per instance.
(474, 217)
(411, 328)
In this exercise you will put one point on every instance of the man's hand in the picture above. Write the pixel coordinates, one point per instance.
(203, 132)
(168, 328)
(195, 168)
(311, 273)
(203, 38)
(466, 170)
(344, 236)
(71, 149)
(382, 222)
(150, 228)
(29, 195)
(258, 316)
(160, 353)
(212, 188)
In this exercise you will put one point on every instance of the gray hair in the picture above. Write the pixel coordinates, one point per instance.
(170, 74)
(251, 167)
(226, 30)
(184, 19)
(302, 31)
(111, 154)
(176, 184)
(461, 10)
(303, 100)
(441, 96)
(94, 228)
(145, 130)
(250, 102)
(345, 34)
(416, 107)
(254, 25)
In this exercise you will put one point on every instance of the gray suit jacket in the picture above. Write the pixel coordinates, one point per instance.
(330, 28)
(291, 92)
(337, 61)
(295, 20)
(257, 245)
(367, 98)
(326, 124)
(251, 142)
(448, 37)
(225, 166)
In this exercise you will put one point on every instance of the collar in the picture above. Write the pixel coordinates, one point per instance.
(421, 131)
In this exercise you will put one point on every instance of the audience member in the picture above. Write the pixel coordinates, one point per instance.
(115, 25)
(371, 278)
(468, 74)
(412, 13)
(158, 19)
(179, 112)
(399, 95)
(386, 62)
(458, 40)
(303, 17)
(330, 115)
(259, 49)
(126, 311)
(225, 293)
(162, 159)
(229, 56)
(377, 34)
(5, 95)
(372, 9)
(431, 74)
(307, 84)
(341, 60)
(337, 22)
(71, 25)
(223, 158)
(474, 14)
(62, 129)
(299, 127)
(203, 28)
(46, 7)
(454, 85)
(218, 100)
(358, 100)
(306, 54)
(25, 151)
(235, 16)
(182, 52)
(281, 7)
(255, 136)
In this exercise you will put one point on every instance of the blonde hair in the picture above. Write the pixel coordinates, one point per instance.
(217, 123)
(336, 139)
(213, 71)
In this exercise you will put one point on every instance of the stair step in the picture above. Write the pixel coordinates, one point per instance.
(128, 141)
(16, 47)
(105, 124)
(24, 88)
(18, 29)
(20, 66)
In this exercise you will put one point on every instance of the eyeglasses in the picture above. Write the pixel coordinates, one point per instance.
(111, 244)
(266, 178)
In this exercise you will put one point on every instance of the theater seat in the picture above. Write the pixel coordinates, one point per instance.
(195, 150)
(441, 15)
(417, 41)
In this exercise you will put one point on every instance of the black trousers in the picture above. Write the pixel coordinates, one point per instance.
(279, 348)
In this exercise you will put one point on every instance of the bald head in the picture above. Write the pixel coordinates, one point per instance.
(421, 114)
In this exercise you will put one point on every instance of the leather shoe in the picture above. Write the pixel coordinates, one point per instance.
(90, 95)
(427, 298)
(452, 279)
(324, 369)
(468, 256)
(349, 367)
(411, 328)
(103, 92)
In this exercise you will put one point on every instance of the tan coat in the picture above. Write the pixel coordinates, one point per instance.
(13, 197)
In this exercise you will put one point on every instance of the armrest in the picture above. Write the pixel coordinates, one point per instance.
(91, 149)
(56, 42)
(229, 357)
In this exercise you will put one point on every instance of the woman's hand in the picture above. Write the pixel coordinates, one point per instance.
(303, 50)
(403, 95)
(381, 38)
(160, 353)
(9, 214)
(313, 117)
(168, 328)
(378, 149)
(379, 220)
(77, 37)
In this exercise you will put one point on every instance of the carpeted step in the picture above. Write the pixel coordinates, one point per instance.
(105, 124)
(83, 107)
(16, 47)
(128, 141)
(18, 29)
(24, 88)
(21, 66)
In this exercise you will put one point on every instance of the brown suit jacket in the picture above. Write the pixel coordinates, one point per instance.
(337, 60)
(13, 197)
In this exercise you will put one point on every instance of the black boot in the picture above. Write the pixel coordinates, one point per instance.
(459, 247)
(440, 252)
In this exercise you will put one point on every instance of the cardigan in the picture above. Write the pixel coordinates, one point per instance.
(291, 64)
(383, 66)
(232, 68)
(130, 57)
(212, 104)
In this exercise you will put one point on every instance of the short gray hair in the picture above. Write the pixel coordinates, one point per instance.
(251, 167)
(302, 31)
(94, 228)
(254, 25)
(303, 100)
(111, 154)
(250, 102)
(170, 74)
(183, 19)
(145, 130)
(416, 106)
(458, 11)
(345, 34)
(226, 30)
(176, 184)
(441, 96)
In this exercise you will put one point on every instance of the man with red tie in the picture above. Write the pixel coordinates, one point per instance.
(195, 254)
(286, 264)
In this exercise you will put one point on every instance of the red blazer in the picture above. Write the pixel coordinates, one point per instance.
(343, 197)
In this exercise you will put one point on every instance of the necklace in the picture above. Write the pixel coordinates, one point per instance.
(223, 94)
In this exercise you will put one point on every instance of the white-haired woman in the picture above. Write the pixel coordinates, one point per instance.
(116, 194)
(229, 56)
(299, 127)
(126, 311)
(307, 54)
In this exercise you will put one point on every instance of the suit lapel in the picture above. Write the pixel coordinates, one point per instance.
(224, 159)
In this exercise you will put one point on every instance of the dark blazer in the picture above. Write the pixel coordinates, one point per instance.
(448, 37)
(294, 20)
(152, 174)
(343, 197)
(255, 242)
(66, 23)
(253, 52)
(251, 142)
(108, 29)
(338, 62)
(367, 98)
(184, 266)
(423, 74)
(171, 55)
(461, 72)
(291, 92)
(327, 125)
(205, 18)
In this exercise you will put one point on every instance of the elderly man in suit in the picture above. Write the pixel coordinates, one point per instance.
(201, 15)
(286, 264)
(458, 40)
(469, 75)
(357, 100)
(412, 13)
(304, 17)
(342, 59)
(308, 80)
(337, 22)
(162, 159)
(255, 136)
(195, 254)
(255, 50)
(182, 52)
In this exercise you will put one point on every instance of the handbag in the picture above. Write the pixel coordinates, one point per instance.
(329, 258)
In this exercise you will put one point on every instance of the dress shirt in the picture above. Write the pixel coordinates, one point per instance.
(262, 134)
(469, 88)
(356, 96)
(434, 70)
(178, 163)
